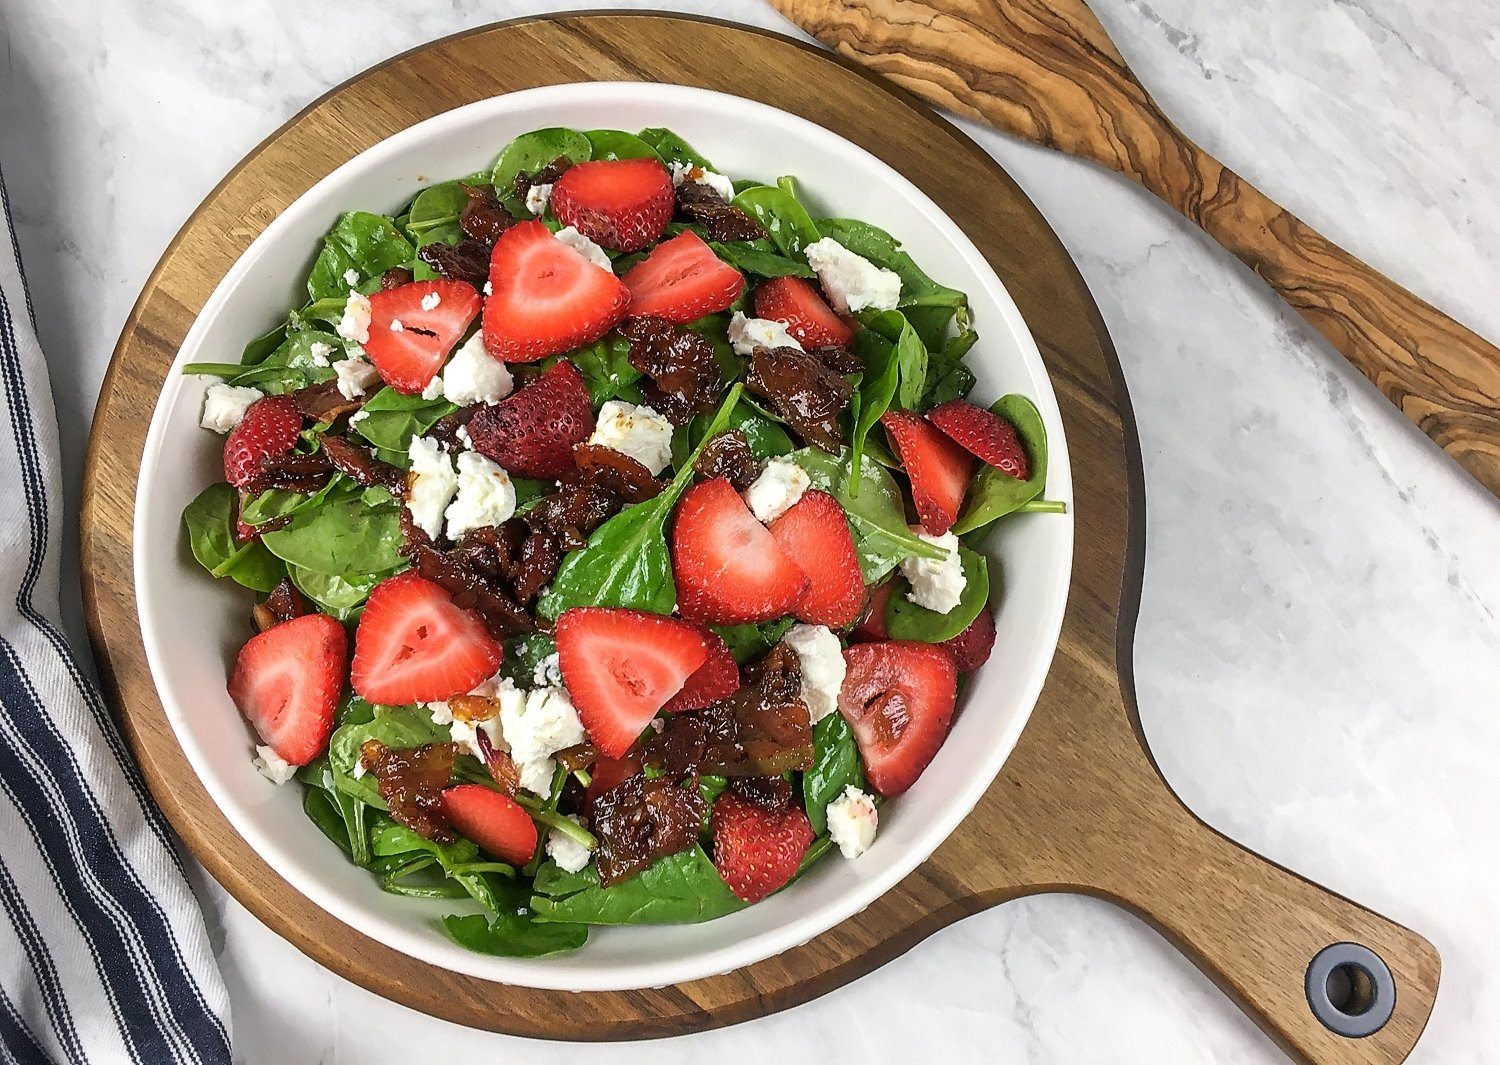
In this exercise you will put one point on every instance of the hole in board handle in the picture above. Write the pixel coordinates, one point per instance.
(1350, 990)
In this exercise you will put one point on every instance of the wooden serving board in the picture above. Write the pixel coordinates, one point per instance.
(1078, 807)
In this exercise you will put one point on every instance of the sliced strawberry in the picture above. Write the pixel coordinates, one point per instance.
(898, 699)
(815, 535)
(871, 626)
(938, 468)
(757, 850)
(717, 678)
(499, 824)
(287, 681)
(796, 304)
(532, 432)
(624, 204)
(728, 568)
(268, 429)
(415, 645)
(971, 648)
(681, 280)
(546, 298)
(607, 772)
(413, 327)
(984, 434)
(622, 666)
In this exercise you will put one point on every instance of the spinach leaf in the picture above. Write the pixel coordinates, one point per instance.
(341, 817)
(522, 653)
(905, 620)
(767, 438)
(931, 324)
(671, 148)
(616, 144)
(263, 345)
(434, 214)
(209, 523)
(626, 562)
(882, 249)
(322, 315)
(337, 596)
(529, 152)
(343, 537)
(393, 418)
(746, 257)
(836, 765)
(682, 888)
(606, 370)
(911, 354)
(387, 838)
(369, 244)
(788, 222)
(322, 809)
(876, 390)
(327, 278)
(398, 727)
(276, 503)
(947, 376)
(994, 493)
(750, 641)
(514, 935)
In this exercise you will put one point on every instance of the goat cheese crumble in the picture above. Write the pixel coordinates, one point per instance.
(747, 334)
(355, 377)
(936, 583)
(546, 723)
(822, 659)
(777, 489)
(355, 324)
(537, 199)
(852, 820)
(431, 484)
(272, 766)
(473, 375)
(638, 431)
(224, 405)
(851, 281)
(485, 496)
(585, 247)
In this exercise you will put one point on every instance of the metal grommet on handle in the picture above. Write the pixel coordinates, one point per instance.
(1351, 990)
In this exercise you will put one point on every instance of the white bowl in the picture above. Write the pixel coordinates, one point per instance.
(192, 626)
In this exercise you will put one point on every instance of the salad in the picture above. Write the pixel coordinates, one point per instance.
(612, 526)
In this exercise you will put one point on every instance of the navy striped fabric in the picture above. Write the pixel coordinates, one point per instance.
(103, 954)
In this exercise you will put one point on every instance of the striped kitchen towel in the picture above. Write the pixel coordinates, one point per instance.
(103, 954)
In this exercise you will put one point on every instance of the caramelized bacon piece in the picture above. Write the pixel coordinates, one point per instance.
(470, 588)
(484, 218)
(445, 429)
(643, 819)
(468, 260)
(573, 512)
(283, 604)
(293, 472)
(322, 403)
(503, 769)
(764, 729)
(547, 175)
(539, 559)
(395, 277)
(623, 475)
(361, 466)
(473, 707)
(411, 781)
(720, 220)
(729, 455)
(769, 793)
(805, 393)
(681, 365)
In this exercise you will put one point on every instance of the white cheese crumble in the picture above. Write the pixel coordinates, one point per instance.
(225, 405)
(548, 672)
(570, 855)
(466, 733)
(485, 496)
(747, 334)
(583, 246)
(639, 432)
(396, 326)
(537, 199)
(355, 324)
(489, 288)
(272, 766)
(822, 659)
(358, 416)
(434, 388)
(777, 489)
(473, 375)
(852, 820)
(936, 583)
(355, 377)
(682, 172)
(351, 277)
(851, 281)
(536, 731)
(431, 484)
(319, 352)
(431, 301)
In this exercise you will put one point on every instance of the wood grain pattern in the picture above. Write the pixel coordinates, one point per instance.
(1046, 70)
(1078, 807)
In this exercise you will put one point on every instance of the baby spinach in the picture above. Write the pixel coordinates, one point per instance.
(835, 766)
(788, 222)
(334, 595)
(682, 888)
(529, 152)
(767, 438)
(209, 523)
(263, 345)
(882, 249)
(750, 258)
(995, 493)
(671, 148)
(606, 370)
(387, 838)
(875, 392)
(343, 537)
(393, 418)
(369, 244)
(750, 641)
(948, 378)
(522, 653)
(322, 315)
(341, 817)
(514, 934)
(626, 562)
(398, 727)
(911, 354)
(434, 214)
(616, 144)
(905, 620)
(276, 503)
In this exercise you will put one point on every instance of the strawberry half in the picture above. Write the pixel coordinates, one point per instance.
(756, 850)
(624, 204)
(938, 468)
(796, 304)
(414, 645)
(729, 570)
(898, 699)
(971, 648)
(413, 327)
(268, 429)
(496, 822)
(815, 535)
(622, 666)
(681, 280)
(287, 681)
(532, 432)
(546, 298)
(717, 678)
(871, 626)
(983, 433)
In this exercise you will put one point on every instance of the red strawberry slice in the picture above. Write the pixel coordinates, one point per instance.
(413, 327)
(971, 648)
(871, 626)
(729, 570)
(414, 645)
(815, 535)
(681, 280)
(287, 681)
(984, 434)
(717, 678)
(756, 850)
(532, 432)
(496, 822)
(624, 204)
(546, 298)
(898, 699)
(938, 468)
(622, 666)
(796, 304)
(268, 429)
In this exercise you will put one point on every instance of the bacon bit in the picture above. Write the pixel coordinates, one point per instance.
(729, 455)
(803, 391)
(473, 707)
(547, 175)
(643, 819)
(360, 465)
(578, 757)
(720, 220)
(293, 472)
(468, 260)
(411, 781)
(395, 277)
(764, 729)
(622, 474)
(283, 604)
(322, 403)
(484, 218)
(682, 367)
(503, 769)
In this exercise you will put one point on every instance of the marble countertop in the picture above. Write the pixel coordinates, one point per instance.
(1318, 655)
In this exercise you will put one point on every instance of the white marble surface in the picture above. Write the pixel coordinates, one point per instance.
(1319, 652)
